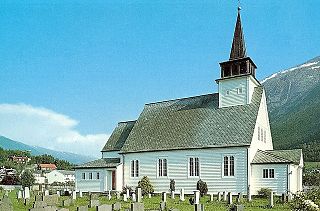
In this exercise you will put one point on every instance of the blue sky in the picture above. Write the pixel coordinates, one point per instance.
(96, 63)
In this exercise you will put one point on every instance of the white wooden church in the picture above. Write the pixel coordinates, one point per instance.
(223, 139)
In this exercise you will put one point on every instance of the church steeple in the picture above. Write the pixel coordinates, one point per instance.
(239, 63)
(238, 49)
(237, 81)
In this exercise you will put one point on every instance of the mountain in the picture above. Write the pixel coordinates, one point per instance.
(7, 143)
(293, 98)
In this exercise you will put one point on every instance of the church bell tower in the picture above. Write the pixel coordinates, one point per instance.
(237, 80)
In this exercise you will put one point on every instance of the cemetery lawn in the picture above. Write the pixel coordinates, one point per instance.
(153, 203)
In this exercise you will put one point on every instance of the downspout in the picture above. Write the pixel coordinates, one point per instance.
(248, 169)
(288, 178)
(122, 170)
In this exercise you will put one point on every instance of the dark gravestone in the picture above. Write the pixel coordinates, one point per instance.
(51, 200)
(6, 206)
(26, 202)
(137, 206)
(198, 207)
(38, 198)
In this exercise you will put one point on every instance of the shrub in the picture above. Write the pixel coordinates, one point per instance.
(202, 187)
(301, 202)
(264, 192)
(172, 185)
(145, 185)
(27, 179)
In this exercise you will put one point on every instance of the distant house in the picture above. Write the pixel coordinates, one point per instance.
(62, 176)
(19, 159)
(47, 166)
(39, 177)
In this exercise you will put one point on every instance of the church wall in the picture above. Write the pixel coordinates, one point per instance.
(94, 184)
(211, 169)
(228, 94)
(278, 184)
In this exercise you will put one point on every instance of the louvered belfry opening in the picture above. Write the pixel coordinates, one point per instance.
(239, 63)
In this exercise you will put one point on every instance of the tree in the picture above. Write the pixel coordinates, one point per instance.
(145, 185)
(27, 179)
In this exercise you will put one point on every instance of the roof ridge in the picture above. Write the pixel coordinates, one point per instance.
(182, 98)
(276, 156)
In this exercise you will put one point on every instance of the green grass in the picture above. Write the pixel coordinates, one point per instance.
(153, 203)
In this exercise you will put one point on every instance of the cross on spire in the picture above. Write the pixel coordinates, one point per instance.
(238, 49)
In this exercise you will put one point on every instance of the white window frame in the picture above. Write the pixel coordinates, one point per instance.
(97, 175)
(161, 174)
(268, 173)
(239, 90)
(193, 167)
(135, 171)
(229, 165)
(90, 176)
(83, 175)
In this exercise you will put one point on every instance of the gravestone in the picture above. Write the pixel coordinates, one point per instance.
(67, 202)
(284, 198)
(26, 193)
(134, 198)
(125, 197)
(172, 194)
(229, 198)
(149, 195)
(80, 193)
(118, 195)
(239, 198)
(196, 194)
(211, 196)
(249, 194)
(39, 204)
(82, 208)
(58, 192)
(238, 207)
(19, 194)
(290, 197)
(46, 192)
(224, 196)
(51, 200)
(128, 193)
(219, 196)
(271, 200)
(137, 206)
(116, 206)
(94, 203)
(163, 205)
(104, 207)
(182, 194)
(38, 198)
(26, 202)
(199, 207)
(6, 206)
(164, 197)
(139, 194)
(74, 195)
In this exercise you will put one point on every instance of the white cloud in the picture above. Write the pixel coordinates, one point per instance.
(45, 128)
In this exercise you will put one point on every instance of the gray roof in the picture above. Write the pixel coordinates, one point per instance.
(101, 163)
(66, 172)
(278, 156)
(194, 122)
(118, 136)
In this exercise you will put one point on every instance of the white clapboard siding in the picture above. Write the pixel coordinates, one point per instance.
(277, 184)
(94, 184)
(211, 169)
(246, 83)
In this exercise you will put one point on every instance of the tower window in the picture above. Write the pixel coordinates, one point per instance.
(239, 90)
(227, 92)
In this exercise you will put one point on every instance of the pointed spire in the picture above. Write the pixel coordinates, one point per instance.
(238, 49)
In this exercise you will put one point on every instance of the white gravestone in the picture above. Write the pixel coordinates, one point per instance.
(182, 194)
(196, 197)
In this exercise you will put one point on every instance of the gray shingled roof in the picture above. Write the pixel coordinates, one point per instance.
(118, 136)
(101, 163)
(277, 156)
(194, 122)
(66, 172)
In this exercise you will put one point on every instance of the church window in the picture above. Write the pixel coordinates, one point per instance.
(261, 133)
(134, 168)
(228, 166)
(90, 175)
(264, 136)
(194, 167)
(83, 175)
(162, 167)
(268, 173)
(98, 175)
(258, 133)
